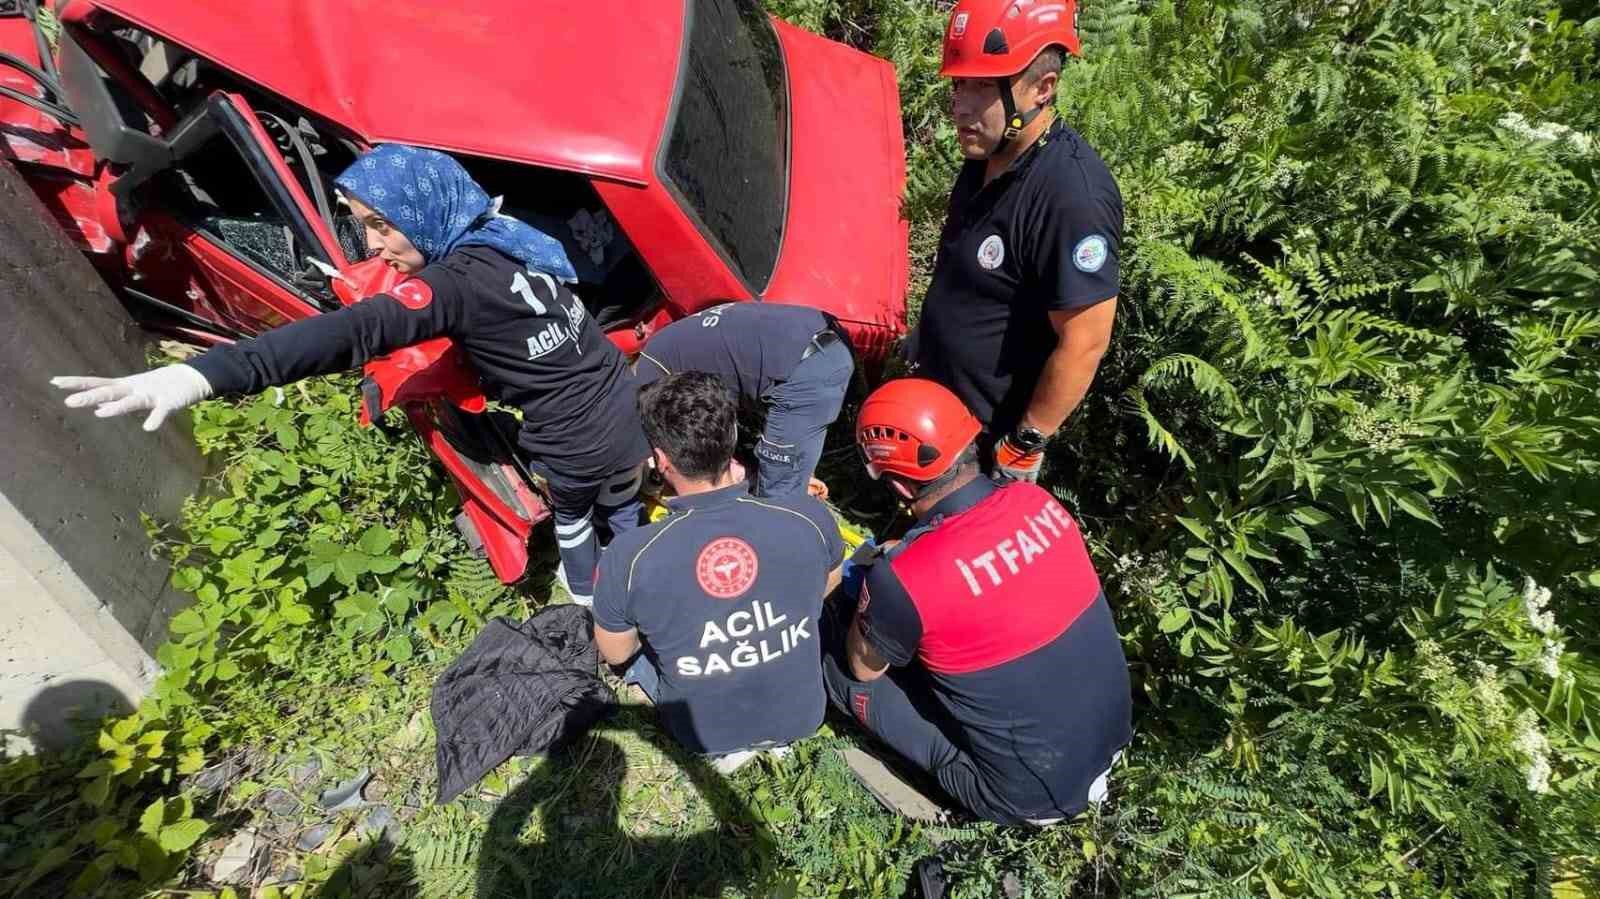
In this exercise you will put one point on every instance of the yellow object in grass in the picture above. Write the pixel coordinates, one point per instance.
(853, 537)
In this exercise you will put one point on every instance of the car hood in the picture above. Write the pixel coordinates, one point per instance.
(845, 241)
(529, 82)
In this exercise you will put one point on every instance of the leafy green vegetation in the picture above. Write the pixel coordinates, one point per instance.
(1341, 472)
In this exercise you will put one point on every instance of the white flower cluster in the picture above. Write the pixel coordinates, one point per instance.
(1435, 665)
(1534, 600)
(1547, 133)
(1142, 575)
(1180, 156)
(1531, 742)
(1381, 431)
(1285, 172)
(1550, 659)
(1403, 394)
(1261, 115)
(1491, 696)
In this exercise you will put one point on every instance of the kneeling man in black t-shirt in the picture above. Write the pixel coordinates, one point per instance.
(719, 600)
(982, 648)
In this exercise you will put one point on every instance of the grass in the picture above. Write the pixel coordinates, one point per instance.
(623, 812)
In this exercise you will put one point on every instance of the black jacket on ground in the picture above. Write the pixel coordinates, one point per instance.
(521, 688)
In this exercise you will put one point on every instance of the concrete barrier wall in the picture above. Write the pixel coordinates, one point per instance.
(82, 601)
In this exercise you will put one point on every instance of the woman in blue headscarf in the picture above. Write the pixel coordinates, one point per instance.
(494, 285)
(429, 207)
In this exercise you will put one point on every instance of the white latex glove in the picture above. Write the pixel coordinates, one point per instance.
(163, 391)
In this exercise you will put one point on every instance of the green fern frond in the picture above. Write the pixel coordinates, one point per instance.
(447, 865)
(1254, 345)
(1205, 377)
(1358, 320)
(1159, 437)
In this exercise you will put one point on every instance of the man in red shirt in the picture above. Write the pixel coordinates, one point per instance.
(982, 648)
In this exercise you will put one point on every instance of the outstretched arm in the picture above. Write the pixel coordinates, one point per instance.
(323, 344)
(326, 343)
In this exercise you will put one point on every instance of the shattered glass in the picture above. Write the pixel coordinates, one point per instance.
(264, 241)
(347, 229)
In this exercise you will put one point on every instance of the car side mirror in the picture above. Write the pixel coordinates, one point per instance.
(106, 115)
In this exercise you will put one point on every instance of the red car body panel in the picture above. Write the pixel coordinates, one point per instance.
(841, 194)
(690, 272)
(488, 79)
(63, 167)
(497, 80)
(502, 531)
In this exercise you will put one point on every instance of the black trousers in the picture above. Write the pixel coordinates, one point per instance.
(900, 709)
(574, 503)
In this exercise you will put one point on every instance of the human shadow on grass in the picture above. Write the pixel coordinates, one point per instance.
(64, 715)
(585, 852)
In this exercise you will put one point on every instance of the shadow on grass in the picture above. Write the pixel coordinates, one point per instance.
(63, 715)
(581, 849)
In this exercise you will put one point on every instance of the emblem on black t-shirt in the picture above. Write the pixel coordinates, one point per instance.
(726, 567)
(1090, 254)
(991, 252)
(413, 294)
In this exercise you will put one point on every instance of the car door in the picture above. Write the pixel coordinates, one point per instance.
(259, 269)
(227, 234)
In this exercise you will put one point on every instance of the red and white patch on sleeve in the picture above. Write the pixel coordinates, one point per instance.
(858, 704)
(413, 294)
(726, 567)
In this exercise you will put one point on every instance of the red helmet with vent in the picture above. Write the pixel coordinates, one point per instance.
(913, 428)
(1000, 38)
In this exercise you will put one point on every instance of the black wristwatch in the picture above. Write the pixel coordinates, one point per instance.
(1028, 438)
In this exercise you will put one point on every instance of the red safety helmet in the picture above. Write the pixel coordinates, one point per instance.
(1000, 38)
(913, 428)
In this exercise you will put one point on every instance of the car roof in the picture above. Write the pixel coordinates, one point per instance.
(581, 85)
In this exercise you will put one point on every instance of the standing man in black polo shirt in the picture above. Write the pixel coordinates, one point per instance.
(1024, 288)
(720, 599)
(791, 361)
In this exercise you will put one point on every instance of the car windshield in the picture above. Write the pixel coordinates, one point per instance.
(727, 156)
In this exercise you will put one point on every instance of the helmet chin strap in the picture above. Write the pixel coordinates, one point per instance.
(1015, 121)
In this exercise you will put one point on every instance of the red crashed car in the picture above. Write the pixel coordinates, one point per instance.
(686, 152)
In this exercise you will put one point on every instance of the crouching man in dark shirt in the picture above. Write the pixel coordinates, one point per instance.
(792, 361)
(1008, 682)
(719, 600)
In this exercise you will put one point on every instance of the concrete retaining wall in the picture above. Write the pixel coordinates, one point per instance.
(82, 602)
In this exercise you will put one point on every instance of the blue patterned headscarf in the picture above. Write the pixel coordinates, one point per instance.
(437, 205)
